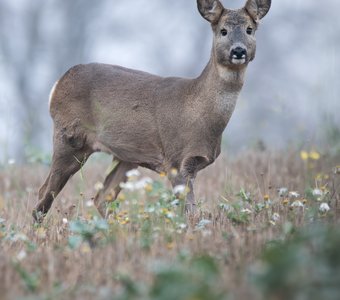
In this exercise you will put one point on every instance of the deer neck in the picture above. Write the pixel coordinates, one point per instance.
(219, 87)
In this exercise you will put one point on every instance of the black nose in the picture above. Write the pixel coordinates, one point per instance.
(238, 53)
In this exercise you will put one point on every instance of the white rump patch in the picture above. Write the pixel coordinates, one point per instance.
(51, 94)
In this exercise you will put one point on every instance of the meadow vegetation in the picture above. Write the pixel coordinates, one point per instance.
(267, 227)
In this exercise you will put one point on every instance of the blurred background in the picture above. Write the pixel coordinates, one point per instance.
(292, 91)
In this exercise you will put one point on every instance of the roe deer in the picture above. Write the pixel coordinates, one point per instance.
(150, 121)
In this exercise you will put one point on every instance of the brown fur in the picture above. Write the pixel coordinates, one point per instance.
(146, 120)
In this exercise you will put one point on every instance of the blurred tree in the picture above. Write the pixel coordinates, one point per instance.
(39, 55)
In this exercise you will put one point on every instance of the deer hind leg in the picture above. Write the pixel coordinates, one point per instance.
(67, 160)
(112, 185)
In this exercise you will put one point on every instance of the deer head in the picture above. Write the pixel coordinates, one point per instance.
(234, 30)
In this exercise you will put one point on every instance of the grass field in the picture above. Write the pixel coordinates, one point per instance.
(267, 228)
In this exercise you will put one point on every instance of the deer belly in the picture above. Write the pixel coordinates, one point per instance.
(134, 149)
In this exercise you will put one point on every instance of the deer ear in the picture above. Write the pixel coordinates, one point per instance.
(258, 8)
(210, 10)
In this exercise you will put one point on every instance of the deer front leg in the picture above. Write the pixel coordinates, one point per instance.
(185, 179)
(184, 186)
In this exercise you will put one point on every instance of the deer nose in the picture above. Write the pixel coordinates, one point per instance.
(238, 53)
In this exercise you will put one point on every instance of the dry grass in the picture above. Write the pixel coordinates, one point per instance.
(38, 262)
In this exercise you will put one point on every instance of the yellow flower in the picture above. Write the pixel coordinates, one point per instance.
(121, 197)
(124, 221)
(111, 221)
(191, 237)
(170, 245)
(319, 176)
(162, 174)
(314, 155)
(89, 216)
(266, 197)
(85, 248)
(123, 213)
(304, 155)
(165, 211)
(148, 188)
(285, 201)
(173, 172)
(41, 233)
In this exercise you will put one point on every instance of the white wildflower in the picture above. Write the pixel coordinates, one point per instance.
(324, 207)
(175, 202)
(317, 192)
(170, 215)
(138, 185)
(130, 186)
(19, 237)
(179, 189)
(65, 221)
(276, 217)
(132, 173)
(89, 203)
(246, 211)
(141, 184)
(282, 191)
(336, 170)
(202, 224)
(297, 203)
(272, 222)
(98, 186)
(150, 209)
(182, 225)
(294, 194)
(21, 255)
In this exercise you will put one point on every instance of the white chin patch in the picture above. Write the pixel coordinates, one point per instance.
(236, 61)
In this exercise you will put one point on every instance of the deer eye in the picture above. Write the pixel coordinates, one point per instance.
(249, 30)
(224, 32)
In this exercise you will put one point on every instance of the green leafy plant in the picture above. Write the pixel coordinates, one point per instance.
(195, 279)
(306, 266)
(186, 278)
(86, 231)
(31, 280)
